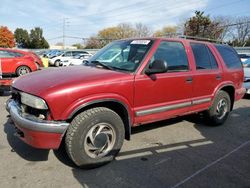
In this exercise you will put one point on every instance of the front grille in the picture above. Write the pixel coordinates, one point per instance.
(16, 95)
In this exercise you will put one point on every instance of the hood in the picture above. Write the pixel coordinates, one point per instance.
(45, 82)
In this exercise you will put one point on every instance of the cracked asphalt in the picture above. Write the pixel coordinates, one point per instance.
(181, 152)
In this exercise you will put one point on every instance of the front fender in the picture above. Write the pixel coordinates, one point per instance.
(94, 99)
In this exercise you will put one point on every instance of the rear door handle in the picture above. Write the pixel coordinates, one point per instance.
(189, 79)
(218, 77)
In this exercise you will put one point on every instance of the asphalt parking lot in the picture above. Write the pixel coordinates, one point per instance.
(181, 152)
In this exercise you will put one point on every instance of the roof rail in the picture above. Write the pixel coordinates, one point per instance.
(201, 39)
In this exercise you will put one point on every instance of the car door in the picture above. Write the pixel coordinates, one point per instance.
(66, 56)
(168, 94)
(207, 75)
(7, 62)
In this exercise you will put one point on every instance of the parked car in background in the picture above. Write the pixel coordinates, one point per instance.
(92, 108)
(77, 60)
(244, 57)
(53, 53)
(17, 62)
(247, 79)
(66, 56)
(246, 63)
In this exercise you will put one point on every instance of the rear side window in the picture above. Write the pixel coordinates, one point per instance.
(9, 54)
(204, 59)
(213, 61)
(229, 56)
(15, 54)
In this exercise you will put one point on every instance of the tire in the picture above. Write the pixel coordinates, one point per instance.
(57, 63)
(22, 70)
(218, 112)
(85, 147)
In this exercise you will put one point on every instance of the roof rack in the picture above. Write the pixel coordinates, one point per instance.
(179, 35)
(201, 39)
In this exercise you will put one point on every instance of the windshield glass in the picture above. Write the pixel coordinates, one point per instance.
(123, 55)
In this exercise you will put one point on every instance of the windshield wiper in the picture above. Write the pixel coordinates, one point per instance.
(102, 65)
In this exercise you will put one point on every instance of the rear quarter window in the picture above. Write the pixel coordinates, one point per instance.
(229, 56)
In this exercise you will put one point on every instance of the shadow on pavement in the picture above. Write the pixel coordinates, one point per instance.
(23, 150)
(164, 165)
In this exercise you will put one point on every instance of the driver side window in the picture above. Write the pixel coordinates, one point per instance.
(174, 54)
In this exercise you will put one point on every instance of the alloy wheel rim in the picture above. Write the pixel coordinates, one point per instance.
(99, 140)
(23, 70)
(221, 108)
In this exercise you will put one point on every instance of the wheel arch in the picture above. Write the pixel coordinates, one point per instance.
(231, 92)
(117, 106)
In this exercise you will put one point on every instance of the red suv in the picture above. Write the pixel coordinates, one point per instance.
(93, 107)
(18, 62)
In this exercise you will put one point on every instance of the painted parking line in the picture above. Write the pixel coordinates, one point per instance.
(211, 164)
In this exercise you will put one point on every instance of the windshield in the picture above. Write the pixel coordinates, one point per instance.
(123, 55)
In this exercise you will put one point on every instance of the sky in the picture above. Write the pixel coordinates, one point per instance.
(84, 18)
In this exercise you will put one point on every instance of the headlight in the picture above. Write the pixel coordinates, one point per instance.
(33, 101)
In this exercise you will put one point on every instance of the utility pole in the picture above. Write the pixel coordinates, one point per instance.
(64, 20)
(64, 25)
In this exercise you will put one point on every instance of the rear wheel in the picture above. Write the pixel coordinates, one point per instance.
(220, 108)
(94, 137)
(22, 70)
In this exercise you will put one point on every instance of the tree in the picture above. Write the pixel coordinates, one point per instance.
(78, 46)
(59, 44)
(142, 30)
(93, 43)
(37, 40)
(202, 26)
(22, 38)
(6, 38)
(242, 33)
(166, 31)
(225, 23)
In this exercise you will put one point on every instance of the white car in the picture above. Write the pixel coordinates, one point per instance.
(244, 57)
(247, 79)
(77, 60)
(66, 56)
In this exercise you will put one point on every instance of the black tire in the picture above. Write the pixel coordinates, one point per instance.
(218, 115)
(78, 139)
(57, 63)
(22, 70)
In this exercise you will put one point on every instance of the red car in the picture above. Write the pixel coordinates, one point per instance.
(93, 107)
(17, 62)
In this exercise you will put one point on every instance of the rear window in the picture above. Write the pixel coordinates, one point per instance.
(229, 56)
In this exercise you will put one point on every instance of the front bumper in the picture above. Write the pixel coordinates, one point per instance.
(35, 132)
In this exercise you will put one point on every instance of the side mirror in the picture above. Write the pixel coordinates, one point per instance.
(158, 66)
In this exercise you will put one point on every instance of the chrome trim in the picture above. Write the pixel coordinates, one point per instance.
(162, 109)
(200, 101)
(31, 122)
(171, 107)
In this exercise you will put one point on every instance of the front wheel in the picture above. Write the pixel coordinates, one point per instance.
(94, 137)
(57, 63)
(218, 112)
